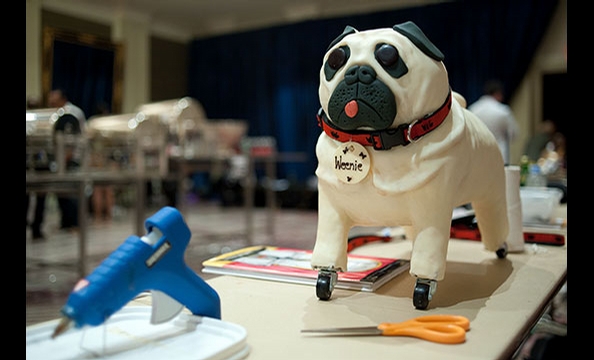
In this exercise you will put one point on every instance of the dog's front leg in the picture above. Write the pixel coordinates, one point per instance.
(430, 246)
(330, 249)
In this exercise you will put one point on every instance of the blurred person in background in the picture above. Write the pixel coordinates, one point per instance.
(59, 99)
(39, 198)
(547, 149)
(497, 116)
(103, 197)
(546, 143)
(74, 122)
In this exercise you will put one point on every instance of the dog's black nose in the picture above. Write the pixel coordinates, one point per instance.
(364, 74)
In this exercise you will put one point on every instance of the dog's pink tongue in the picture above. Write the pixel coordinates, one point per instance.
(351, 108)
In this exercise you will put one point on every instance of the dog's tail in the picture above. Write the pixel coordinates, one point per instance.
(460, 99)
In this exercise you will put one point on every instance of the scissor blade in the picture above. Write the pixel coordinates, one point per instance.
(354, 331)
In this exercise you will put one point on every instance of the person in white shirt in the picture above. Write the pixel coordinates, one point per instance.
(57, 98)
(67, 123)
(497, 116)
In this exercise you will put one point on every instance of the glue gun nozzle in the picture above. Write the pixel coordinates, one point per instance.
(63, 325)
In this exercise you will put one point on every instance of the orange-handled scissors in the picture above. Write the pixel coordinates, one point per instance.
(445, 329)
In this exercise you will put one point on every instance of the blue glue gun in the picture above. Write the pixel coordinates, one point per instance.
(152, 262)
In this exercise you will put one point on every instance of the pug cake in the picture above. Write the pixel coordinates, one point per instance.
(398, 148)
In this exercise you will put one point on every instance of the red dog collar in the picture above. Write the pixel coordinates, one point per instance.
(387, 139)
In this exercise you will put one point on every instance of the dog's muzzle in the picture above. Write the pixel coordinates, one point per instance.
(360, 99)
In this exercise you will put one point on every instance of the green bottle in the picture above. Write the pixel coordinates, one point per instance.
(524, 169)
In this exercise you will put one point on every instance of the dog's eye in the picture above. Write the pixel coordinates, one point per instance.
(387, 55)
(337, 58)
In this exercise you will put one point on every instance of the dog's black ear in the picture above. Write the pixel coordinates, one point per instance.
(414, 34)
(347, 31)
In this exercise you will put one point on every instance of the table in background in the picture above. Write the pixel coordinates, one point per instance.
(80, 184)
(181, 167)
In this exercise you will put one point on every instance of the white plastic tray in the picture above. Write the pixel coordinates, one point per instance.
(128, 334)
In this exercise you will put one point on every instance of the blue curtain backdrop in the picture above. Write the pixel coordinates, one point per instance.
(270, 77)
(85, 73)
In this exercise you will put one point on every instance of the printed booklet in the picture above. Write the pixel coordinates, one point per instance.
(364, 273)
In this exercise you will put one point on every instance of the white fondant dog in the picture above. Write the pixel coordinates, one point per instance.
(424, 153)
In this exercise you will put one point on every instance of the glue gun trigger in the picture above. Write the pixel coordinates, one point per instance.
(164, 307)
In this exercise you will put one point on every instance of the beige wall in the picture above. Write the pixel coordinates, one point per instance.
(133, 32)
(33, 49)
(155, 68)
(551, 57)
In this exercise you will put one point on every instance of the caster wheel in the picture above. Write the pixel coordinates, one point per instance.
(323, 290)
(502, 252)
(421, 296)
